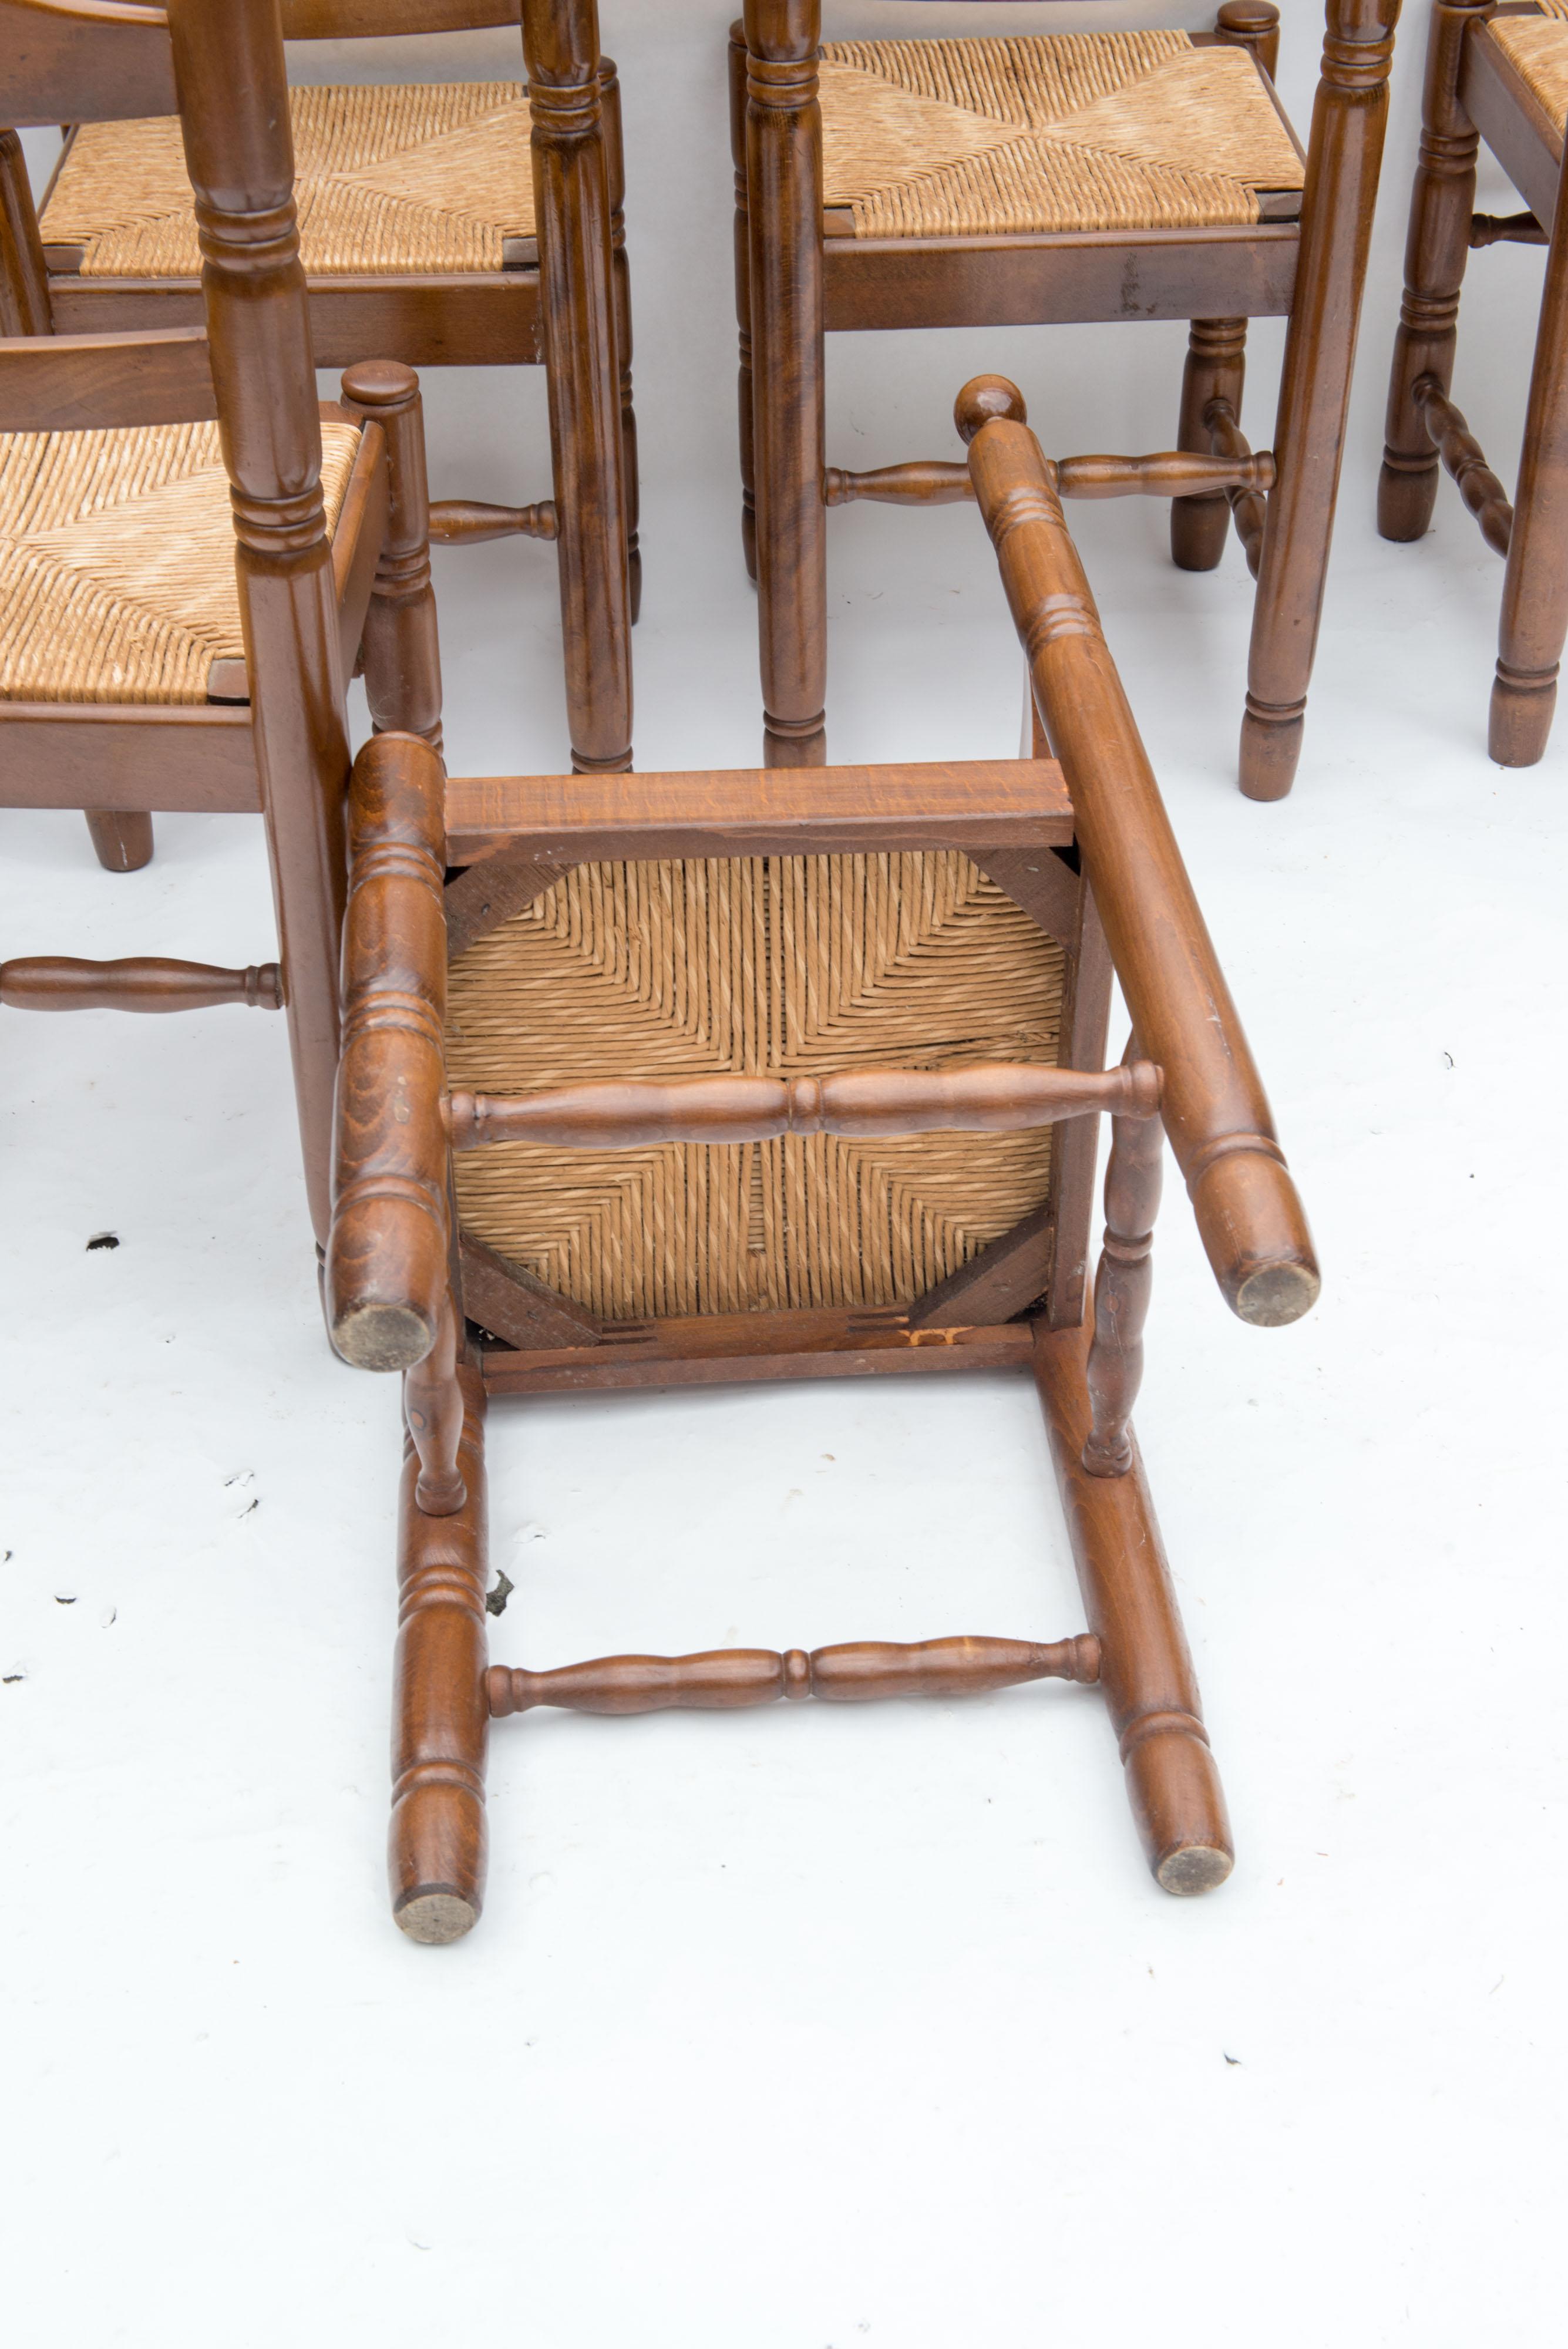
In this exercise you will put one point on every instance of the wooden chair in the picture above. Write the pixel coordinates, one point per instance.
(1498, 74)
(426, 239)
(801, 1077)
(943, 182)
(192, 553)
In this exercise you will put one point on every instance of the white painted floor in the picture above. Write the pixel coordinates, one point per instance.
(796, 2030)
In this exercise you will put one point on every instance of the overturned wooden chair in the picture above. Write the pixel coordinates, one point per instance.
(1047, 179)
(442, 224)
(1498, 74)
(803, 1071)
(195, 554)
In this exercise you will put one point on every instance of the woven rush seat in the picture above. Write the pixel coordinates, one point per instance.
(1537, 48)
(117, 561)
(778, 965)
(1047, 135)
(425, 176)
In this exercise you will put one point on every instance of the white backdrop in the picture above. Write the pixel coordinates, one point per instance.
(795, 2031)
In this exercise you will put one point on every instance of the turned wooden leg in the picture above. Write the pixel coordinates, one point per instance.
(572, 188)
(1436, 251)
(436, 1850)
(1535, 585)
(1145, 1668)
(609, 88)
(784, 177)
(121, 838)
(1216, 366)
(744, 298)
(401, 655)
(433, 1407)
(1122, 1289)
(1348, 122)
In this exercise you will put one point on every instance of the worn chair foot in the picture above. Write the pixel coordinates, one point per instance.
(1523, 703)
(122, 839)
(1405, 497)
(436, 1917)
(1271, 748)
(1173, 1786)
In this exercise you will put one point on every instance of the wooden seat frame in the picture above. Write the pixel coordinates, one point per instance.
(311, 604)
(1085, 847)
(566, 306)
(1472, 92)
(795, 283)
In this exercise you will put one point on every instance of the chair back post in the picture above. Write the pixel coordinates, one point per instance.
(1345, 156)
(1213, 1104)
(573, 196)
(234, 109)
(784, 174)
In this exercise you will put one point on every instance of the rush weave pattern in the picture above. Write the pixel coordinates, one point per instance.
(117, 560)
(422, 176)
(1537, 47)
(781, 965)
(1070, 131)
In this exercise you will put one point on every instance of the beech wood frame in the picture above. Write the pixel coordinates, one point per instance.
(1086, 849)
(1473, 91)
(797, 281)
(565, 306)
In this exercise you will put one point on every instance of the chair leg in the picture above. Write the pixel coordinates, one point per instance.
(1348, 123)
(1535, 585)
(783, 176)
(609, 88)
(572, 189)
(402, 652)
(436, 1848)
(1215, 370)
(1146, 1671)
(1436, 251)
(744, 298)
(122, 838)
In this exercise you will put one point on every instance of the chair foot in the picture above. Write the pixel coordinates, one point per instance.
(1523, 703)
(121, 839)
(436, 1918)
(1405, 497)
(436, 1845)
(1146, 1671)
(1271, 747)
(1199, 529)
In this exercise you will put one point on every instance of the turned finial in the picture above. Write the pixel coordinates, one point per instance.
(983, 399)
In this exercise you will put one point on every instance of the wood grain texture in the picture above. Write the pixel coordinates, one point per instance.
(80, 383)
(566, 820)
(58, 754)
(512, 1303)
(738, 1348)
(1345, 158)
(572, 193)
(1004, 1097)
(136, 983)
(83, 61)
(725, 1680)
(1146, 1670)
(1436, 251)
(1214, 1104)
(387, 1272)
(1115, 1368)
(436, 1845)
